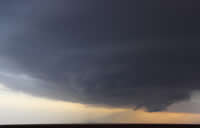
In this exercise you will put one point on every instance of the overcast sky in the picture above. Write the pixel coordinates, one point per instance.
(119, 55)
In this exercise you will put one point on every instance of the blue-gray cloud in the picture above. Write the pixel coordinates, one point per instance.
(115, 53)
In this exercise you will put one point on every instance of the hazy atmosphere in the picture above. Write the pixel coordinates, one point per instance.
(99, 61)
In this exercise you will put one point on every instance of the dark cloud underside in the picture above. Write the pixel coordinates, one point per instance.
(108, 52)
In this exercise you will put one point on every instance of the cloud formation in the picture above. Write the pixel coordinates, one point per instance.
(117, 53)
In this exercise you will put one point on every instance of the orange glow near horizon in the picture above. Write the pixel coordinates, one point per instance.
(141, 116)
(20, 108)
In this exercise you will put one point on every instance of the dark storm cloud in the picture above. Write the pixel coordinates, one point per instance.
(116, 53)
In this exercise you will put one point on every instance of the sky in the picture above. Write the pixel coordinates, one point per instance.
(99, 61)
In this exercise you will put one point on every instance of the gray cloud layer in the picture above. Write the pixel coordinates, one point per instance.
(116, 53)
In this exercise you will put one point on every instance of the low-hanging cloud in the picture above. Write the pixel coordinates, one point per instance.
(116, 53)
